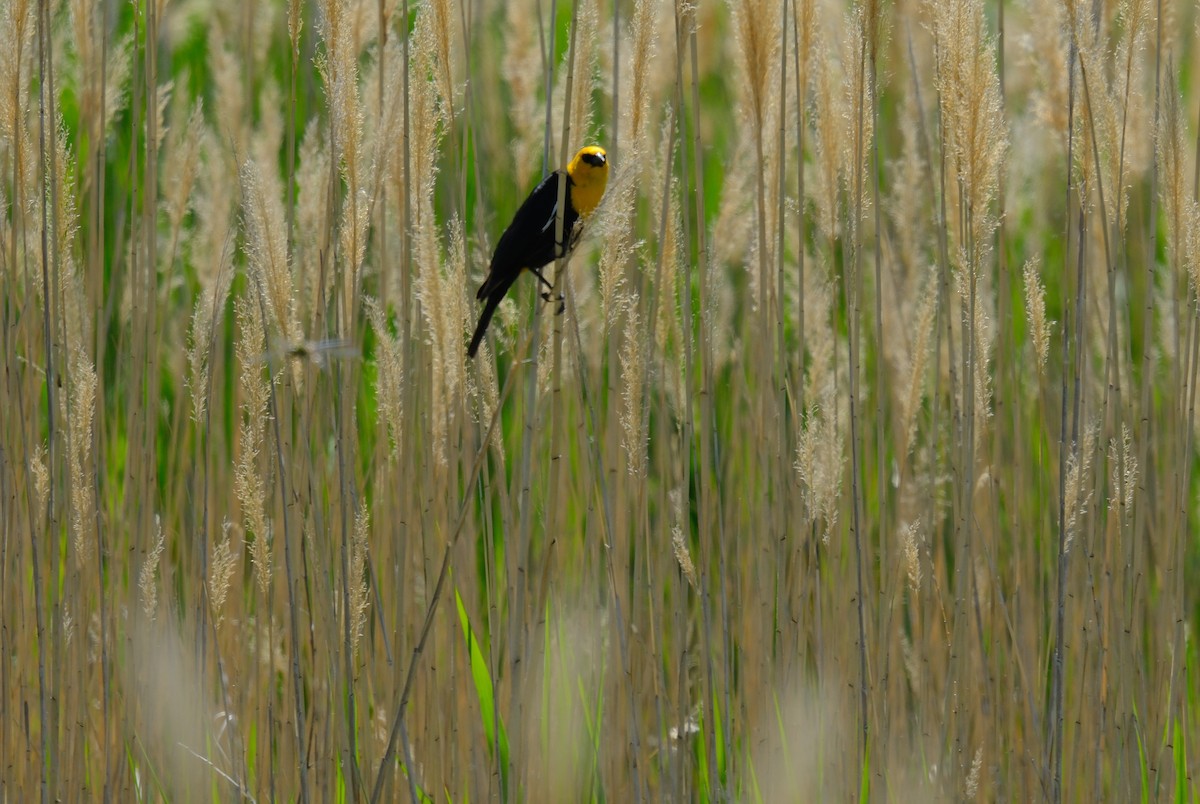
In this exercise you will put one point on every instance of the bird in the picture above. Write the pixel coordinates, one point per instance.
(319, 353)
(529, 241)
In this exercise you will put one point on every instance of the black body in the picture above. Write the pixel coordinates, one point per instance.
(528, 242)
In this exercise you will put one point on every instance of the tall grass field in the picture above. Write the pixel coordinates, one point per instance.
(859, 463)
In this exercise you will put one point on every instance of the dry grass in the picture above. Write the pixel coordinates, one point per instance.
(861, 465)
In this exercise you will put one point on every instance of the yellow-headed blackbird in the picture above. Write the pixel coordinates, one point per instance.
(528, 242)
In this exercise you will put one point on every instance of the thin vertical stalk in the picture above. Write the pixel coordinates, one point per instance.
(1057, 694)
(1143, 499)
(853, 295)
(710, 520)
(801, 220)
(46, 728)
(688, 470)
(344, 441)
(782, 470)
(870, 37)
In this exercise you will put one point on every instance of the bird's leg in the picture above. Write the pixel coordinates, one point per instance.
(541, 278)
(546, 294)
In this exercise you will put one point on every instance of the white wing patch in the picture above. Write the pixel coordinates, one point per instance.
(553, 217)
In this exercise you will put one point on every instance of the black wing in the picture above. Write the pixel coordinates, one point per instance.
(528, 242)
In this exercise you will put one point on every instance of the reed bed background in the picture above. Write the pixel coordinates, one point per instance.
(860, 465)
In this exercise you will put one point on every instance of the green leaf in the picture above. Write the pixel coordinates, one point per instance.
(493, 725)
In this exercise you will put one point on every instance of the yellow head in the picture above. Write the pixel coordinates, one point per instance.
(589, 174)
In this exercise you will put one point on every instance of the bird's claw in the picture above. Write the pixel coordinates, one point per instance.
(561, 299)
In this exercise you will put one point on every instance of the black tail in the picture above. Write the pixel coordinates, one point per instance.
(485, 318)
